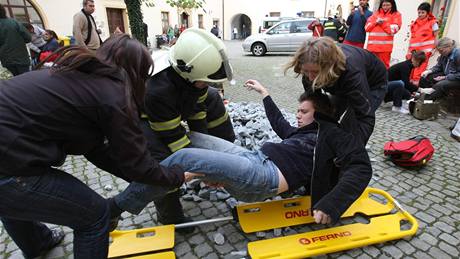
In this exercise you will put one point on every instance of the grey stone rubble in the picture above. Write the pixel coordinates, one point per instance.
(251, 125)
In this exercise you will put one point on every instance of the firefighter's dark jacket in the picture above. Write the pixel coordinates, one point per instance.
(45, 117)
(169, 100)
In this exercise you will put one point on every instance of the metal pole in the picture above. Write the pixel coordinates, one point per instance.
(325, 8)
(223, 19)
(201, 222)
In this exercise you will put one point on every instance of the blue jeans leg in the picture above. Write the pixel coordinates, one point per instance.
(58, 198)
(396, 91)
(205, 141)
(137, 195)
(248, 176)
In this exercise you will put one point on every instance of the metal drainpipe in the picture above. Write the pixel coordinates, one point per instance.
(223, 20)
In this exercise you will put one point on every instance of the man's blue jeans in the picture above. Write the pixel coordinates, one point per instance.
(58, 198)
(247, 175)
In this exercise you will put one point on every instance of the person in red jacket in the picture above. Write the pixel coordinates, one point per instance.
(424, 32)
(382, 26)
(316, 27)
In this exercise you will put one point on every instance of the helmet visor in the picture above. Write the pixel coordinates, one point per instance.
(225, 70)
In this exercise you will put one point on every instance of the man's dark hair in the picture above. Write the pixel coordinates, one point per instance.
(2, 12)
(320, 101)
(419, 55)
(393, 5)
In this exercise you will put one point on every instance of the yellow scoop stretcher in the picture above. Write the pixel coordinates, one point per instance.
(380, 229)
(261, 216)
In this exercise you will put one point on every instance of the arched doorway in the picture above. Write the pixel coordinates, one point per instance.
(184, 19)
(23, 11)
(243, 25)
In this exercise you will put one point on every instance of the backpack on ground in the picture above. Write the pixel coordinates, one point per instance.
(414, 152)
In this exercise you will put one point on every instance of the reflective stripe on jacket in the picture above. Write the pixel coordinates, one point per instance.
(422, 34)
(381, 35)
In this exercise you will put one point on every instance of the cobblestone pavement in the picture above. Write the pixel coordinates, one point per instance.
(431, 194)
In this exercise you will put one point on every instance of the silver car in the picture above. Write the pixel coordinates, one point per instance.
(285, 36)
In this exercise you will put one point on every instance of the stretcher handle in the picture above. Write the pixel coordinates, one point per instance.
(201, 222)
(408, 216)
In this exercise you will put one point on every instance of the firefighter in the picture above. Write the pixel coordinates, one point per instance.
(179, 92)
(334, 29)
(382, 26)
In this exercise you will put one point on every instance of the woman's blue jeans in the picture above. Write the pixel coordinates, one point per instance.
(397, 92)
(247, 175)
(58, 198)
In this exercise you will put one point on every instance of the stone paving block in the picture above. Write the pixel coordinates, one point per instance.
(211, 256)
(393, 252)
(425, 217)
(435, 252)
(196, 239)
(405, 246)
(224, 249)
(190, 256)
(211, 213)
(202, 250)
(451, 250)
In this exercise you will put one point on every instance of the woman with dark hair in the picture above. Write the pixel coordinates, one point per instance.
(355, 78)
(86, 104)
(382, 26)
(423, 36)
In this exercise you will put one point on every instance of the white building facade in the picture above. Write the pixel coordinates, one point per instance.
(246, 16)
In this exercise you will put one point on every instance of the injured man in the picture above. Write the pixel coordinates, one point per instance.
(330, 163)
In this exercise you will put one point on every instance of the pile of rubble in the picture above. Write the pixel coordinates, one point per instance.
(251, 125)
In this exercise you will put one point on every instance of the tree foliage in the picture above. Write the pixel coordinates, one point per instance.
(185, 4)
(136, 22)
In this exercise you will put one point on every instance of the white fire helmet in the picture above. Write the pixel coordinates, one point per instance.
(198, 55)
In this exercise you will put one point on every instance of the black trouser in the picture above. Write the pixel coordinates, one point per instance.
(441, 88)
(16, 69)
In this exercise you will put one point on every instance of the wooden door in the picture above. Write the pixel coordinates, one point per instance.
(115, 19)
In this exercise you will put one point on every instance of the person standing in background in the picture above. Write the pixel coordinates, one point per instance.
(356, 21)
(85, 28)
(424, 33)
(382, 26)
(316, 27)
(13, 38)
(235, 33)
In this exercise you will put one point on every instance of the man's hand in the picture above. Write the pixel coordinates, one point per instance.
(252, 84)
(188, 176)
(321, 217)
(426, 73)
(439, 78)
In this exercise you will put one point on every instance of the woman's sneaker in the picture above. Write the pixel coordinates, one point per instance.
(402, 109)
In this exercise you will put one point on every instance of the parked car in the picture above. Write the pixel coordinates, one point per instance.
(285, 36)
